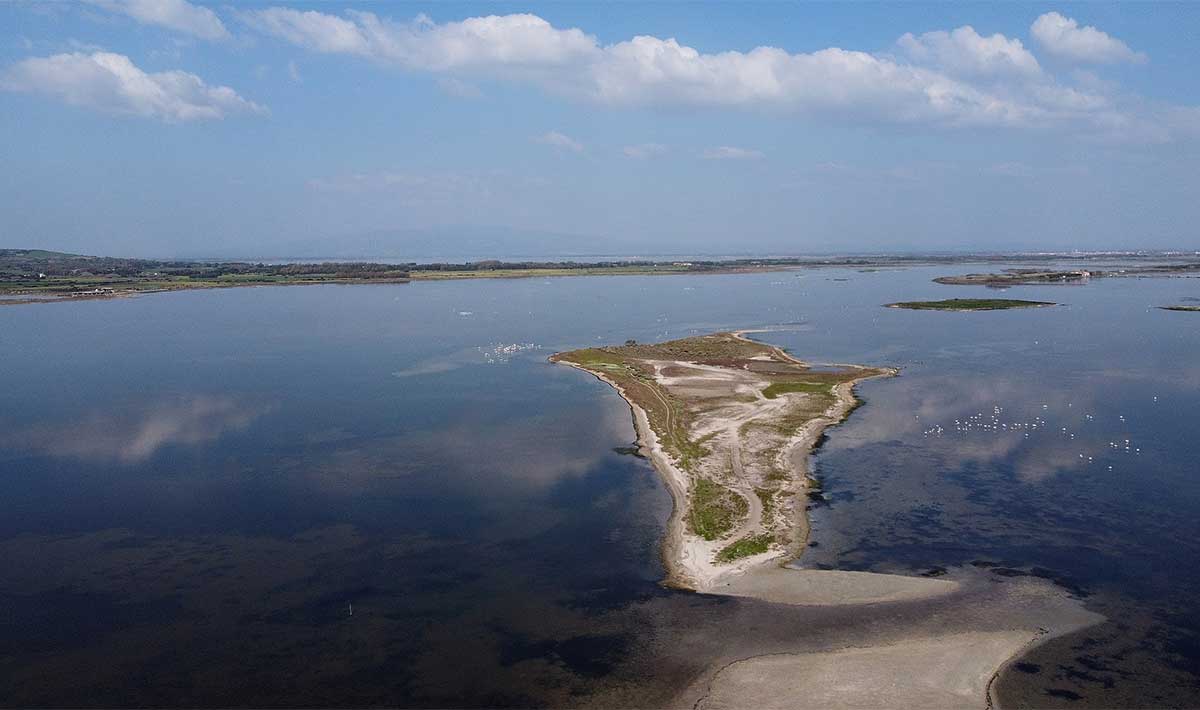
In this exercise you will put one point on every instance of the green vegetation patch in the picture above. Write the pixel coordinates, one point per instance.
(595, 357)
(970, 304)
(799, 416)
(1188, 309)
(689, 452)
(704, 348)
(775, 389)
(715, 509)
(746, 547)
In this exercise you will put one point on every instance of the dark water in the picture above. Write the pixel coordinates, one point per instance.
(358, 496)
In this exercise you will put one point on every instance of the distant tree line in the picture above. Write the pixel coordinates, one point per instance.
(23, 264)
(30, 264)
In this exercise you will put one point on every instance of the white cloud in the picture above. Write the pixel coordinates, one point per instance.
(1063, 36)
(644, 150)
(422, 44)
(1093, 82)
(727, 152)
(294, 73)
(178, 15)
(111, 83)
(947, 78)
(310, 29)
(648, 70)
(645, 70)
(965, 52)
(559, 141)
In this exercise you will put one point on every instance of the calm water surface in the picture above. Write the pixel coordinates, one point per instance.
(367, 495)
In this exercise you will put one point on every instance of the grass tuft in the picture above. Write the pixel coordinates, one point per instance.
(715, 509)
(746, 547)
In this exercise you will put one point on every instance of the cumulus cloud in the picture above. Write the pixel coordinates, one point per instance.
(422, 44)
(178, 15)
(1063, 36)
(559, 141)
(113, 84)
(643, 150)
(727, 152)
(965, 52)
(951, 78)
(644, 69)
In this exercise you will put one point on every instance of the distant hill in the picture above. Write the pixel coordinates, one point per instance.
(438, 244)
(41, 254)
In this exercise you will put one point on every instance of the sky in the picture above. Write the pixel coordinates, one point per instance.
(168, 128)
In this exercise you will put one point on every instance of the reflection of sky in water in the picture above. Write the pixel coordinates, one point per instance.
(1062, 441)
(133, 436)
(238, 468)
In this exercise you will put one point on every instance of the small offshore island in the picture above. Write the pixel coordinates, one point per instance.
(729, 422)
(970, 304)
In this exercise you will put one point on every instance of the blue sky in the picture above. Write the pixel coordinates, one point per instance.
(169, 128)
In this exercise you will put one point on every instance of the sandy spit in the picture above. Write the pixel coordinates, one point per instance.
(931, 669)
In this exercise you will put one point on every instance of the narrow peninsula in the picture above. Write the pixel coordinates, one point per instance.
(729, 422)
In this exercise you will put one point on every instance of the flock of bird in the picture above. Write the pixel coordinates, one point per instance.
(994, 423)
(502, 353)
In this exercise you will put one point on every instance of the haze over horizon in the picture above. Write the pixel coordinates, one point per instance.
(176, 129)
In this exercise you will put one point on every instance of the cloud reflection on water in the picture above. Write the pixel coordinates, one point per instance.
(134, 436)
(522, 454)
(911, 406)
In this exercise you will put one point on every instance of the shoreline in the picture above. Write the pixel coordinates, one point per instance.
(24, 296)
(648, 446)
(122, 289)
(686, 568)
(969, 661)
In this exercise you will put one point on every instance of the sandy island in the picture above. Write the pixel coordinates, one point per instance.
(729, 423)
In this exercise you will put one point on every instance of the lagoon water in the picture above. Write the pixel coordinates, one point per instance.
(384, 495)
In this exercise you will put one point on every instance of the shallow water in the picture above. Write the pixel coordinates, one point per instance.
(365, 495)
